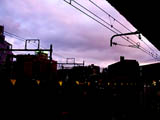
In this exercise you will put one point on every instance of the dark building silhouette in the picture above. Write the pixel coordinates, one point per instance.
(4, 45)
(126, 72)
(125, 86)
(150, 72)
(151, 76)
(31, 71)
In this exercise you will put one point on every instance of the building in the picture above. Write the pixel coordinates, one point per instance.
(31, 70)
(125, 86)
(4, 45)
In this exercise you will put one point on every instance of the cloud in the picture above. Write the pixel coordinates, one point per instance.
(72, 33)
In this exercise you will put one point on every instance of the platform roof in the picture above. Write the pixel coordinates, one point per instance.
(143, 15)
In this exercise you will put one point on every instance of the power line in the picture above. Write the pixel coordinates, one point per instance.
(118, 22)
(23, 39)
(96, 16)
(13, 35)
(91, 17)
(112, 18)
(147, 45)
(110, 15)
(127, 39)
(132, 42)
(96, 19)
(17, 37)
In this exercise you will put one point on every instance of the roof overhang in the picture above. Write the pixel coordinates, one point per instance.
(143, 15)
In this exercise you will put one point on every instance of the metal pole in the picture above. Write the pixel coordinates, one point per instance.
(51, 50)
(131, 33)
(34, 41)
(83, 63)
(26, 44)
(38, 44)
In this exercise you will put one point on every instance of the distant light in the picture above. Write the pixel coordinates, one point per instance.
(13, 81)
(108, 83)
(115, 84)
(42, 52)
(154, 83)
(60, 83)
(89, 83)
(127, 84)
(38, 82)
(77, 82)
(122, 84)
(148, 86)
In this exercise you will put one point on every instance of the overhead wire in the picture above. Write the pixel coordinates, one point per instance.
(110, 15)
(148, 46)
(113, 19)
(23, 39)
(97, 16)
(132, 42)
(13, 35)
(132, 46)
(91, 17)
(17, 37)
(101, 19)
(127, 39)
(118, 22)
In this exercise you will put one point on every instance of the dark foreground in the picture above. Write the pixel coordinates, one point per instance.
(52, 104)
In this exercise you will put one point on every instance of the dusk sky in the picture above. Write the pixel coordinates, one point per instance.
(73, 34)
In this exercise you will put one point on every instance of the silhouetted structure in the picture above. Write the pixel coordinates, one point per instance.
(119, 87)
(30, 71)
(133, 12)
(4, 45)
(125, 87)
(151, 76)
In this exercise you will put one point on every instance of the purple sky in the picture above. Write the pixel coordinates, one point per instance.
(72, 34)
